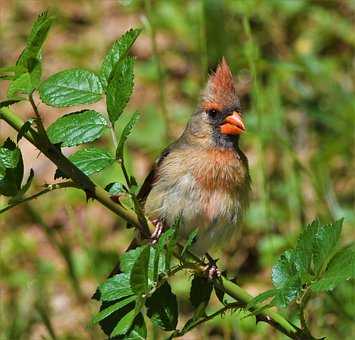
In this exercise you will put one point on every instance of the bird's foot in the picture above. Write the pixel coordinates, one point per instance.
(159, 228)
(211, 270)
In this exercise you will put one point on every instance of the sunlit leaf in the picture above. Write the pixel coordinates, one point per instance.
(71, 87)
(119, 88)
(77, 128)
(340, 269)
(117, 52)
(116, 287)
(91, 160)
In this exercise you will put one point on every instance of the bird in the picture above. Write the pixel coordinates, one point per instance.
(203, 177)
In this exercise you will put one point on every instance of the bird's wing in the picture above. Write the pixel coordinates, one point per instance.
(149, 180)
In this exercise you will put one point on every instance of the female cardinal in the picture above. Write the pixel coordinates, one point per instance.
(203, 177)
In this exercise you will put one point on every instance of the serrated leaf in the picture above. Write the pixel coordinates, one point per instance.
(35, 41)
(21, 85)
(9, 158)
(139, 272)
(11, 169)
(117, 52)
(190, 240)
(138, 330)
(119, 88)
(112, 308)
(125, 133)
(108, 324)
(286, 278)
(340, 269)
(71, 87)
(91, 160)
(325, 241)
(116, 287)
(156, 265)
(77, 128)
(115, 188)
(200, 292)
(124, 324)
(128, 259)
(162, 308)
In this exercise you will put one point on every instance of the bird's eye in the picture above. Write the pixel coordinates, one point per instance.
(212, 113)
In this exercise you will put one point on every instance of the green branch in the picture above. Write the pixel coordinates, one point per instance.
(48, 188)
(70, 170)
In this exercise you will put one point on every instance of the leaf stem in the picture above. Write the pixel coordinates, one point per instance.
(194, 324)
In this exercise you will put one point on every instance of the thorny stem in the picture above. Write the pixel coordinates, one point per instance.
(221, 311)
(48, 188)
(273, 318)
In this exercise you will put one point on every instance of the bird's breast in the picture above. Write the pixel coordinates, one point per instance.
(206, 187)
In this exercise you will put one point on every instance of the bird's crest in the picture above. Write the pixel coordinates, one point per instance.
(220, 91)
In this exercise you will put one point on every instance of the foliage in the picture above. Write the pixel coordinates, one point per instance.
(146, 284)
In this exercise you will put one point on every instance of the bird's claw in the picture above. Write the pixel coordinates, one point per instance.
(159, 228)
(211, 269)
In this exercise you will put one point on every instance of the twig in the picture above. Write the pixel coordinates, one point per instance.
(205, 319)
(48, 188)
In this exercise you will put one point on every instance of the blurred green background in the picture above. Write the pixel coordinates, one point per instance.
(293, 62)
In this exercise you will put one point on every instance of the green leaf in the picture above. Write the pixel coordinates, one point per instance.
(21, 85)
(9, 158)
(190, 240)
(35, 41)
(77, 128)
(128, 259)
(112, 308)
(162, 308)
(117, 52)
(119, 88)
(115, 188)
(91, 160)
(286, 278)
(200, 292)
(138, 330)
(325, 241)
(139, 272)
(11, 169)
(109, 323)
(156, 264)
(125, 133)
(124, 324)
(71, 87)
(116, 287)
(340, 268)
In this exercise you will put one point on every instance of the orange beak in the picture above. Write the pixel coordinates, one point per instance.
(233, 125)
